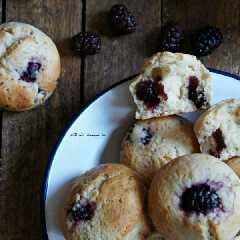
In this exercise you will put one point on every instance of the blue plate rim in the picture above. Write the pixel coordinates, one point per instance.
(50, 161)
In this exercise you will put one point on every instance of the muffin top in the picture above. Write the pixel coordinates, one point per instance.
(150, 144)
(195, 197)
(107, 203)
(29, 66)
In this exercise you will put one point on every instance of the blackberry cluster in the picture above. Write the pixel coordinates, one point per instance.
(202, 43)
(171, 38)
(200, 198)
(122, 20)
(87, 43)
(205, 41)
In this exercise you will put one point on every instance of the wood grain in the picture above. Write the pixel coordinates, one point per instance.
(29, 137)
(192, 15)
(121, 56)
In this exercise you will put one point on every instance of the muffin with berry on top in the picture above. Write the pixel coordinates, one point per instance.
(152, 143)
(107, 203)
(29, 66)
(195, 197)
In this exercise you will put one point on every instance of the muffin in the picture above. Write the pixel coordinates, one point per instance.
(171, 83)
(195, 197)
(218, 130)
(150, 144)
(29, 66)
(107, 203)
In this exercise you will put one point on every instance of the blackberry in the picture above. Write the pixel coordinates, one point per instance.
(122, 20)
(171, 37)
(30, 75)
(220, 143)
(195, 94)
(206, 40)
(147, 136)
(200, 198)
(87, 43)
(147, 91)
(81, 210)
(151, 92)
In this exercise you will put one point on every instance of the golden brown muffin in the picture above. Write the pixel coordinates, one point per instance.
(151, 144)
(195, 197)
(107, 203)
(29, 66)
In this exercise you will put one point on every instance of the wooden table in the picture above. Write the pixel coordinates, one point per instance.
(28, 138)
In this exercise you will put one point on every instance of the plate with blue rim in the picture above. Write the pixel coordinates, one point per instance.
(94, 137)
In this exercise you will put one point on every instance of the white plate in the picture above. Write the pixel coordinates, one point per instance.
(94, 137)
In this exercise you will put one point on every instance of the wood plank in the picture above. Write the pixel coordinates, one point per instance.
(2, 10)
(29, 137)
(2, 175)
(224, 14)
(121, 56)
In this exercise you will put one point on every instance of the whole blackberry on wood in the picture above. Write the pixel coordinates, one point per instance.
(87, 43)
(206, 40)
(171, 37)
(122, 20)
